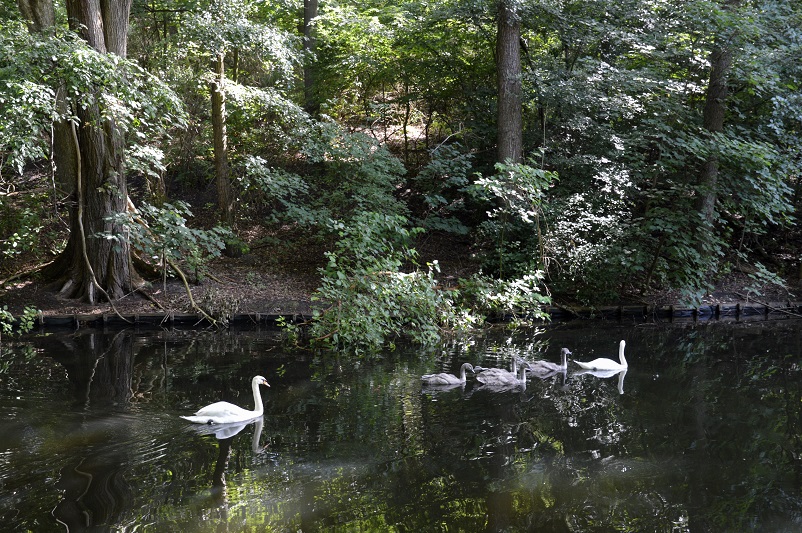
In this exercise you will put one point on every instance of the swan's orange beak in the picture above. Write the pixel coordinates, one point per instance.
(264, 382)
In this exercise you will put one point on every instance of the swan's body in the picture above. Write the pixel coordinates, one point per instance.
(445, 379)
(547, 367)
(499, 378)
(607, 364)
(497, 373)
(228, 413)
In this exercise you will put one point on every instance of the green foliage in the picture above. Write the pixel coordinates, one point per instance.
(162, 235)
(22, 324)
(373, 291)
(761, 278)
(285, 191)
(443, 183)
(232, 25)
(368, 300)
(520, 299)
(21, 224)
(37, 67)
(516, 196)
(355, 173)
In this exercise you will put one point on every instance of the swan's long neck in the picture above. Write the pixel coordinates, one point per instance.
(465, 366)
(621, 353)
(258, 408)
(564, 359)
(522, 376)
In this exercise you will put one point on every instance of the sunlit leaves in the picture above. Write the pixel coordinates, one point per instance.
(230, 25)
(161, 235)
(37, 68)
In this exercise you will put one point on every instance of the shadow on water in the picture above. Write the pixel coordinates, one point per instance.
(700, 433)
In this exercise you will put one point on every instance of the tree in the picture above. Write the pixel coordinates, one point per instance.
(39, 14)
(221, 169)
(310, 43)
(89, 266)
(713, 121)
(508, 60)
(227, 28)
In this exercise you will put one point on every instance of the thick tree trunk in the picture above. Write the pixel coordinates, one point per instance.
(39, 14)
(508, 66)
(310, 100)
(91, 266)
(713, 121)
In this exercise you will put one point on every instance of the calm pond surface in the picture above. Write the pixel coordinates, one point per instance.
(702, 433)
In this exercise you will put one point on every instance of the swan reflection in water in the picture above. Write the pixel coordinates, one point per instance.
(604, 374)
(225, 433)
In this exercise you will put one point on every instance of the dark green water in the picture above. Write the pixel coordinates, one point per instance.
(706, 436)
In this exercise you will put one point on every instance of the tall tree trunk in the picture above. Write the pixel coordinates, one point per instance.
(224, 202)
(90, 267)
(508, 67)
(310, 100)
(713, 121)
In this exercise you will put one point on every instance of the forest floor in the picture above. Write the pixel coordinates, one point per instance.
(275, 280)
(267, 280)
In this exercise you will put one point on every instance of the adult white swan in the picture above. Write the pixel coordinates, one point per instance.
(545, 368)
(228, 413)
(603, 363)
(445, 379)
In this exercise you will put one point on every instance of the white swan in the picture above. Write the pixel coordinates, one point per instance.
(607, 364)
(547, 367)
(227, 413)
(445, 379)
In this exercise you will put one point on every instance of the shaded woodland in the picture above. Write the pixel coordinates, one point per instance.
(582, 151)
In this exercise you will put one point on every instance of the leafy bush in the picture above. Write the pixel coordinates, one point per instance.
(443, 184)
(23, 323)
(520, 298)
(368, 300)
(373, 291)
(161, 234)
(353, 172)
(287, 192)
(516, 196)
(20, 225)
(590, 239)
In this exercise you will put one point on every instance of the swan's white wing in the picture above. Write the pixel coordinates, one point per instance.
(601, 364)
(222, 410)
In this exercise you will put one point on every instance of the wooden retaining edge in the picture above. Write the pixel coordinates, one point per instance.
(639, 313)
(723, 312)
(156, 320)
